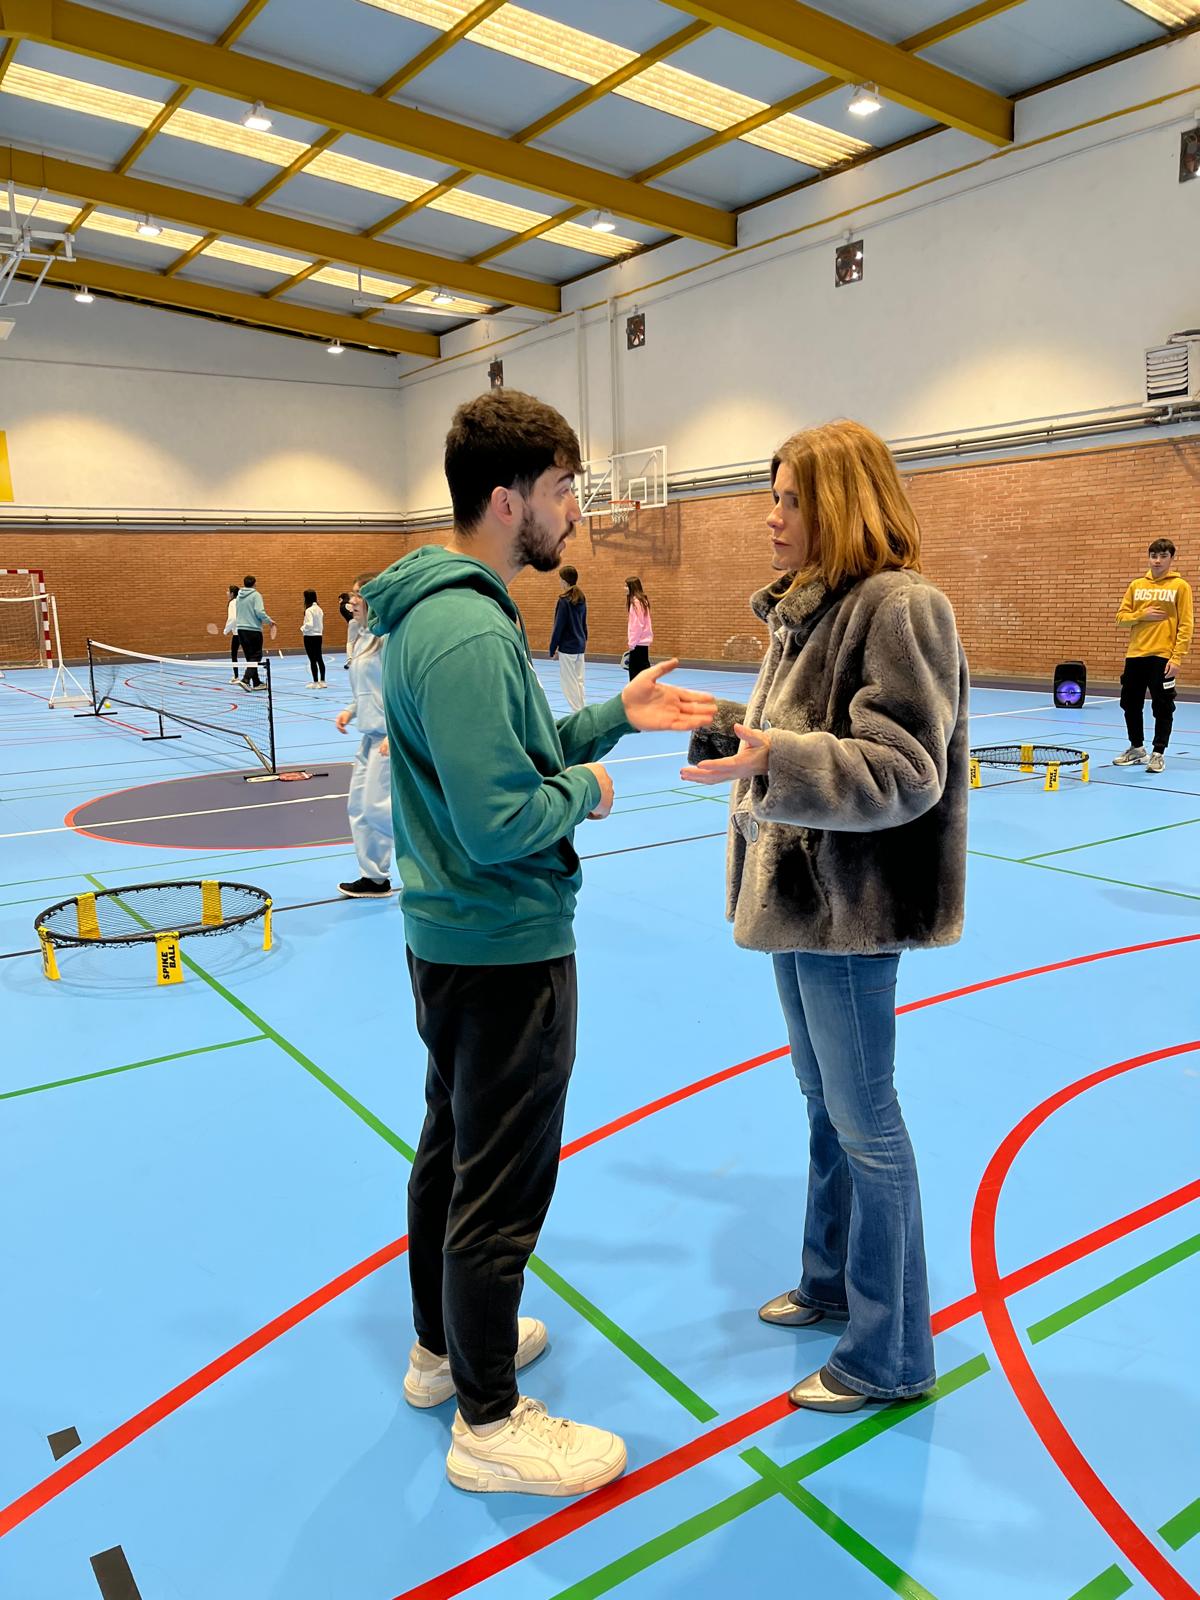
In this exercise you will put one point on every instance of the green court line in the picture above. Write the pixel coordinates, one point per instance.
(1091, 877)
(641, 1357)
(852, 1542)
(177, 861)
(1113, 1291)
(108, 1072)
(666, 1544)
(623, 1341)
(1182, 1527)
(1117, 838)
(1111, 1583)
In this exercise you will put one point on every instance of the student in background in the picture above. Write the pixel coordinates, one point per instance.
(370, 802)
(231, 630)
(353, 626)
(641, 633)
(312, 631)
(568, 641)
(1158, 611)
(250, 616)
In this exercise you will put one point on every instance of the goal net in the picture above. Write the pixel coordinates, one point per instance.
(189, 694)
(24, 629)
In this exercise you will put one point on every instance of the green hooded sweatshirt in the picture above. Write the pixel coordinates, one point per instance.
(487, 789)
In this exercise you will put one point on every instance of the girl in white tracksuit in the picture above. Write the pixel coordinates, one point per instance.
(370, 800)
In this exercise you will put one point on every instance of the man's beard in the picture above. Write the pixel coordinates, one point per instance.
(535, 547)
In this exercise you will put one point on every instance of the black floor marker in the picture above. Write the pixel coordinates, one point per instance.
(113, 1575)
(63, 1442)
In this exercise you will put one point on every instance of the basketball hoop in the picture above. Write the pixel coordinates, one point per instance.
(621, 511)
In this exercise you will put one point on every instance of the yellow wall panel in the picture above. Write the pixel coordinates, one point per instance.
(6, 488)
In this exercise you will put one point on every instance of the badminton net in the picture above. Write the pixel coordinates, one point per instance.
(193, 694)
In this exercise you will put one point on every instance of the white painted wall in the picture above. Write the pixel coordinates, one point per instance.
(1026, 286)
(122, 407)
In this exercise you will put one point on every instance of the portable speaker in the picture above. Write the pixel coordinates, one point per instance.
(1070, 684)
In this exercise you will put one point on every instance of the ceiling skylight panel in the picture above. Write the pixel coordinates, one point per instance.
(366, 175)
(41, 210)
(197, 128)
(575, 237)
(344, 278)
(52, 89)
(801, 140)
(247, 256)
(553, 45)
(126, 228)
(1172, 13)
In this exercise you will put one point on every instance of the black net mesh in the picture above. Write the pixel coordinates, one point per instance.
(135, 915)
(1028, 755)
(193, 694)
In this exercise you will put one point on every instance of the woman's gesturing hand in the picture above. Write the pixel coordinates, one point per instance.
(750, 761)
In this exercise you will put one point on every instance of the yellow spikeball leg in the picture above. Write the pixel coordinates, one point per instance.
(49, 964)
(170, 969)
(976, 780)
(210, 899)
(1086, 769)
(86, 920)
(1026, 758)
(267, 927)
(1051, 777)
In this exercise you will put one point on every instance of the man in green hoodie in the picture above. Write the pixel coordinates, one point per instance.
(487, 791)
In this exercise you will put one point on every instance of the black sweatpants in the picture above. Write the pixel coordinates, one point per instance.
(251, 641)
(1142, 673)
(501, 1043)
(234, 646)
(312, 649)
(639, 659)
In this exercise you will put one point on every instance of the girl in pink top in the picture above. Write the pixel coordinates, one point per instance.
(641, 633)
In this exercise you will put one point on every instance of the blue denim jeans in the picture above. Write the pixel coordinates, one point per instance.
(864, 1251)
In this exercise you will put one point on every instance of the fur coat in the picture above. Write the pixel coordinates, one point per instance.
(855, 840)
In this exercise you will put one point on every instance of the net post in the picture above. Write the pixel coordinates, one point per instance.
(95, 711)
(155, 738)
(270, 716)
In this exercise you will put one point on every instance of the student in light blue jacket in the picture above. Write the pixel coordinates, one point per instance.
(370, 801)
(250, 616)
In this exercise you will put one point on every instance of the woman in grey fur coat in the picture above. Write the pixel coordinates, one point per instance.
(847, 845)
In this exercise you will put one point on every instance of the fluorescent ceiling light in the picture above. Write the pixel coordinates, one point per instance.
(587, 58)
(256, 119)
(865, 101)
(603, 223)
(148, 228)
(1171, 13)
(51, 88)
(336, 348)
(84, 296)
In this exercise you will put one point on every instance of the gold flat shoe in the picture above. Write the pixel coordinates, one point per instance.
(823, 1392)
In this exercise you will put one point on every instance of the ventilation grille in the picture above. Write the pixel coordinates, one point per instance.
(1172, 373)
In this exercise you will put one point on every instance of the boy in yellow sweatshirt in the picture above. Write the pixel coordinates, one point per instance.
(1158, 608)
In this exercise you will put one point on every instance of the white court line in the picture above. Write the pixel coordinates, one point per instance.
(171, 816)
(1026, 711)
(663, 755)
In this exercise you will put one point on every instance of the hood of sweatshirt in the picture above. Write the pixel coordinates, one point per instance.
(425, 571)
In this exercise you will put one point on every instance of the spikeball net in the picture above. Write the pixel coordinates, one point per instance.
(1049, 758)
(150, 913)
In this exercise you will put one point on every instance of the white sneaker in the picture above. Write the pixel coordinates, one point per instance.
(235, 679)
(428, 1381)
(532, 1453)
(1157, 762)
(1133, 757)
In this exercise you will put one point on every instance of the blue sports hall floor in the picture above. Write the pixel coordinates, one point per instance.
(206, 1313)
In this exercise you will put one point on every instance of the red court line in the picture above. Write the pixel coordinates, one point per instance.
(103, 1449)
(80, 1464)
(1135, 1545)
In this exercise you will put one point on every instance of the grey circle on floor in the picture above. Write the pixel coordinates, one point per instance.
(221, 810)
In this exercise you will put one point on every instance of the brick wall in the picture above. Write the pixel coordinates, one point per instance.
(1034, 555)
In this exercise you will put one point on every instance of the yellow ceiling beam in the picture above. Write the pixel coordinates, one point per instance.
(958, 23)
(144, 48)
(847, 53)
(290, 318)
(164, 201)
